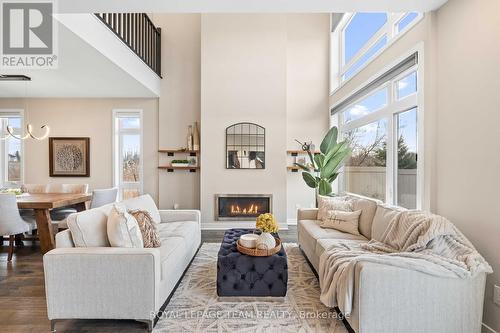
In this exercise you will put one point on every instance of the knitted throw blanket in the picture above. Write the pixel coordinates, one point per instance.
(413, 240)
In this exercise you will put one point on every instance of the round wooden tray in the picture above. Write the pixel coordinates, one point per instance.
(259, 252)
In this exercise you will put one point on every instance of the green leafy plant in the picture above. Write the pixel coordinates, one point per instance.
(180, 161)
(324, 166)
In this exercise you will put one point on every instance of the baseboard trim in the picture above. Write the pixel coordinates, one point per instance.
(489, 328)
(291, 221)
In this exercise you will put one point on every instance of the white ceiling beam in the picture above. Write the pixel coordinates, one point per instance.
(247, 6)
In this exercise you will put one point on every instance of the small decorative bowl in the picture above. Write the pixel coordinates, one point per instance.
(249, 240)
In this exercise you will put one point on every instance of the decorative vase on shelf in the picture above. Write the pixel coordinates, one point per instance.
(196, 137)
(190, 138)
(266, 241)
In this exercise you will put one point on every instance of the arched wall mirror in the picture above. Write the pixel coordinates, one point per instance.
(245, 146)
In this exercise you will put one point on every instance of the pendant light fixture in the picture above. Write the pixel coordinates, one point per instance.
(29, 128)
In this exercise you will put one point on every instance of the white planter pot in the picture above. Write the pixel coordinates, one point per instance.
(266, 241)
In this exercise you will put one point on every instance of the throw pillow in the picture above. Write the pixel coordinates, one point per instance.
(342, 221)
(123, 229)
(326, 204)
(150, 236)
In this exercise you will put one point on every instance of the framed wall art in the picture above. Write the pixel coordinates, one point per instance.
(69, 157)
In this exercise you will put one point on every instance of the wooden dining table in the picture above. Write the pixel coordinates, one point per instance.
(42, 204)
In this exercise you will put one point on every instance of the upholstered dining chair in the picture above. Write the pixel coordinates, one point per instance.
(103, 197)
(11, 222)
(58, 215)
(99, 198)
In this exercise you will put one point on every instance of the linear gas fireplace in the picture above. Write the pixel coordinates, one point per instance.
(238, 207)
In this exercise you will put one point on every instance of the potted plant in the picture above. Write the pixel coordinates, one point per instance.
(267, 224)
(324, 166)
(180, 163)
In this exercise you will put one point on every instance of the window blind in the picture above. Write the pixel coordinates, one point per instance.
(379, 81)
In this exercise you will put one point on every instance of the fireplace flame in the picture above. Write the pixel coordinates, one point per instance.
(253, 209)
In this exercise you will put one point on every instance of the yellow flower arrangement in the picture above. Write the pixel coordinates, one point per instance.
(266, 223)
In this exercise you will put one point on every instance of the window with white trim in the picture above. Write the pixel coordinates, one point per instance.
(381, 122)
(11, 149)
(360, 37)
(127, 153)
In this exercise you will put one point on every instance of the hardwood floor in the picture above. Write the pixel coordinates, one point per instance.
(22, 293)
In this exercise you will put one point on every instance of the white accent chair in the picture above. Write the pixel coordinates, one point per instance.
(11, 223)
(96, 281)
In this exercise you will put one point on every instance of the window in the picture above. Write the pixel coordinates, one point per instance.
(127, 144)
(367, 105)
(380, 121)
(405, 21)
(407, 86)
(359, 37)
(366, 168)
(407, 158)
(11, 149)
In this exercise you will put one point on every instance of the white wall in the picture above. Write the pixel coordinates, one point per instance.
(307, 80)
(243, 78)
(271, 69)
(462, 76)
(468, 137)
(86, 118)
(179, 104)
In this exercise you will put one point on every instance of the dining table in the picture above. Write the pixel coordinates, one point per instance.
(42, 203)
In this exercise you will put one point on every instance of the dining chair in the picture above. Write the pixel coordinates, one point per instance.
(11, 222)
(58, 215)
(99, 198)
(103, 197)
(34, 188)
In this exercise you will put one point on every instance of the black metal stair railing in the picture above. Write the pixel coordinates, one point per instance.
(140, 34)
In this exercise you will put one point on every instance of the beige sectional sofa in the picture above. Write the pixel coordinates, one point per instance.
(392, 299)
(102, 282)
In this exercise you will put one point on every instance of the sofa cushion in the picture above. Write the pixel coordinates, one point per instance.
(172, 252)
(326, 204)
(144, 202)
(383, 216)
(185, 229)
(368, 208)
(88, 228)
(313, 229)
(123, 229)
(324, 244)
(342, 221)
(150, 235)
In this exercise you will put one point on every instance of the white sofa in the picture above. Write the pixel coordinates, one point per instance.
(119, 283)
(390, 299)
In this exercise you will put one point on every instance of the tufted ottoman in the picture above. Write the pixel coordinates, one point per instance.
(242, 275)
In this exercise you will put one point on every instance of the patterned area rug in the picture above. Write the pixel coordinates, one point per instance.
(195, 306)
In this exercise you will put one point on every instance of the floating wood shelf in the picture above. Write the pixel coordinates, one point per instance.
(300, 152)
(172, 152)
(172, 168)
(293, 168)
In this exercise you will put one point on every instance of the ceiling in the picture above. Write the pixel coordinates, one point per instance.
(246, 6)
(82, 72)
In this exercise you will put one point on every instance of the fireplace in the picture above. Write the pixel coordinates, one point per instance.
(238, 207)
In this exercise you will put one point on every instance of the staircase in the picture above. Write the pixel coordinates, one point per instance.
(140, 34)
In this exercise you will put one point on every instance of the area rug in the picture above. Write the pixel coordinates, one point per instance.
(195, 306)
